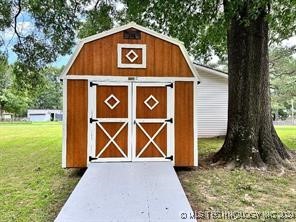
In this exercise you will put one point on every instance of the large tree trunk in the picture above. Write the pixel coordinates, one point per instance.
(251, 139)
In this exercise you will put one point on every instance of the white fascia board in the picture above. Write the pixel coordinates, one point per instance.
(208, 70)
(128, 26)
(189, 62)
(71, 60)
(109, 78)
(122, 28)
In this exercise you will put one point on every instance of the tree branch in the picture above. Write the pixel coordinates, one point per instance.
(96, 5)
(15, 19)
(283, 73)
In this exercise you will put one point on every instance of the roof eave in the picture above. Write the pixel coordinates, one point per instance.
(212, 71)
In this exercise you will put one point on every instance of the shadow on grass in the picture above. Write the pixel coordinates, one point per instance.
(75, 172)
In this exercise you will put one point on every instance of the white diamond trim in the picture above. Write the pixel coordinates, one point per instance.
(112, 139)
(155, 102)
(106, 101)
(151, 139)
(131, 52)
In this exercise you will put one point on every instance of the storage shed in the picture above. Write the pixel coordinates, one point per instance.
(129, 95)
(44, 115)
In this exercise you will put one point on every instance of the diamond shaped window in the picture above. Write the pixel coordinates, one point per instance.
(151, 102)
(112, 101)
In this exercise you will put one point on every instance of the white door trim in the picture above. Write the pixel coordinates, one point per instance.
(92, 126)
(131, 154)
(170, 126)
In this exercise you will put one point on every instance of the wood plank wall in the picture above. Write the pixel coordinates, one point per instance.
(99, 57)
(77, 123)
(184, 131)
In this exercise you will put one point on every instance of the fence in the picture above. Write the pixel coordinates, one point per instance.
(14, 119)
(288, 121)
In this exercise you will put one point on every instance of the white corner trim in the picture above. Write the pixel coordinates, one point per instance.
(124, 27)
(64, 140)
(211, 71)
(131, 65)
(195, 143)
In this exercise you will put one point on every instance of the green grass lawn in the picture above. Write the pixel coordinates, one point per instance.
(288, 135)
(33, 186)
(217, 189)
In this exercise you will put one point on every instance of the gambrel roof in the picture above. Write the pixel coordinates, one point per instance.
(122, 28)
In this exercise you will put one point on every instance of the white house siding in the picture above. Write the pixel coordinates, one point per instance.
(212, 104)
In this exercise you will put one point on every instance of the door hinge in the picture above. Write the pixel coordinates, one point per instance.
(169, 158)
(91, 120)
(90, 158)
(171, 85)
(91, 84)
(169, 120)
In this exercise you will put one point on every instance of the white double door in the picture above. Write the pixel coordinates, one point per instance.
(131, 121)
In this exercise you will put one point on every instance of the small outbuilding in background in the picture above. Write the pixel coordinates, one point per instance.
(129, 95)
(44, 115)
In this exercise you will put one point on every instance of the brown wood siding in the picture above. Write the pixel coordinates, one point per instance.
(184, 133)
(76, 123)
(99, 57)
(160, 110)
(120, 110)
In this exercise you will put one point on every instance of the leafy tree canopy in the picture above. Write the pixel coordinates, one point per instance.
(48, 95)
(283, 79)
(201, 25)
(11, 99)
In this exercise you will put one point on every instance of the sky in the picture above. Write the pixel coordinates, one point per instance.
(26, 25)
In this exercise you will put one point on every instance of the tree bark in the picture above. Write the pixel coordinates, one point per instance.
(251, 140)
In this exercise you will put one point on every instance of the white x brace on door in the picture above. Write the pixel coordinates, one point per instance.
(130, 121)
(153, 121)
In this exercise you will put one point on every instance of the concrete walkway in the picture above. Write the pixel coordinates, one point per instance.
(127, 191)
